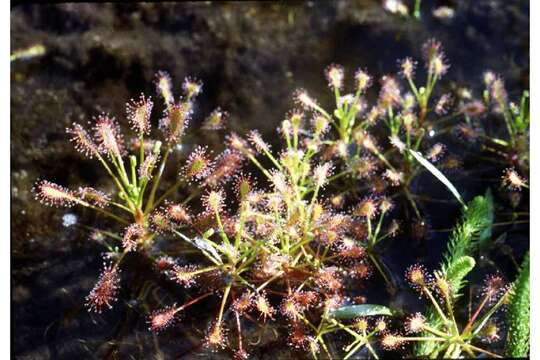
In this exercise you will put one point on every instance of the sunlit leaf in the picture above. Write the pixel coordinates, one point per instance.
(354, 311)
(439, 175)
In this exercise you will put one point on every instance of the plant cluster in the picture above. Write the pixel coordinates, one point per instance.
(293, 243)
(406, 116)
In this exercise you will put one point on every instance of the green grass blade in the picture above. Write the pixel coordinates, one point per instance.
(439, 175)
(354, 311)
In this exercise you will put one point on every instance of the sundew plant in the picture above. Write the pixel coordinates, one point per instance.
(283, 237)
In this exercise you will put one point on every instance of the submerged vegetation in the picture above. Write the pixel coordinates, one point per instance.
(291, 235)
(518, 338)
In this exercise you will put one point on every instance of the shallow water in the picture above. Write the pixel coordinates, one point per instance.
(251, 57)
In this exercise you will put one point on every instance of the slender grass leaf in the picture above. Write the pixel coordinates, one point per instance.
(500, 142)
(354, 311)
(204, 245)
(439, 175)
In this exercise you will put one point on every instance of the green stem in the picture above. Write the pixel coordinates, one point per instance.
(221, 228)
(435, 304)
(141, 149)
(481, 350)
(470, 323)
(371, 350)
(120, 206)
(119, 165)
(483, 320)
(416, 12)
(150, 203)
(378, 266)
(435, 331)
(322, 111)
(133, 166)
(413, 203)
(117, 182)
(223, 302)
(258, 164)
(271, 157)
(100, 210)
(378, 229)
(263, 285)
(383, 159)
(422, 338)
(111, 215)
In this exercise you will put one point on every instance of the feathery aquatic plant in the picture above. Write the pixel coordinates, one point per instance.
(518, 337)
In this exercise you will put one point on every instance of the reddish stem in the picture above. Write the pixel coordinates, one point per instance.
(240, 348)
(476, 313)
(197, 299)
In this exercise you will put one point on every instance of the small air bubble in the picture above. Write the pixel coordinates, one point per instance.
(69, 220)
(431, 133)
